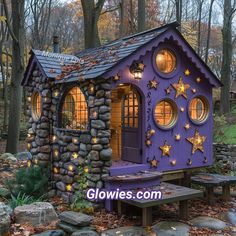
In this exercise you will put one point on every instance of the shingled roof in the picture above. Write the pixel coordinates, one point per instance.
(95, 62)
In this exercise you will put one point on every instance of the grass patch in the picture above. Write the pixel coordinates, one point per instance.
(228, 133)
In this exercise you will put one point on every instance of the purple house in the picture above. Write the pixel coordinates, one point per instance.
(138, 104)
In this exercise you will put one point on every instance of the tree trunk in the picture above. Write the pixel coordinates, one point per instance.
(227, 58)
(141, 15)
(91, 13)
(199, 27)
(17, 75)
(208, 32)
(124, 19)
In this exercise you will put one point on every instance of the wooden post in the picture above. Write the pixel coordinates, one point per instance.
(120, 207)
(183, 209)
(147, 216)
(226, 192)
(210, 195)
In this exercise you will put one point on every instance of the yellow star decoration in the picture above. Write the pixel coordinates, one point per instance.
(182, 109)
(165, 149)
(181, 88)
(187, 72)
(187, 126)
(116, 77)
(153, 84)
(177, 137)
(198, 79)
(194, 90)
(141, 66)
(197, 141)
(154, 163)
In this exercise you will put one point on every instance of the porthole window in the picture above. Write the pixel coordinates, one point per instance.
(165, 61)
(165, 114)
(36, 106)
(74, 113)
(198, 109)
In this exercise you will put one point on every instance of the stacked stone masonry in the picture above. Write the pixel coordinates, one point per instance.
(64, 150)
(225, 155)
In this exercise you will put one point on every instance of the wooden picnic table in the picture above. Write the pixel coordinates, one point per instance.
(170, 193)
(210, 181)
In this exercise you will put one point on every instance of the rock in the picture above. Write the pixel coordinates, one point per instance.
(126, 231)
(84, 233)
(52, 233)
(75, 218)
(106, 154)
(5, 218)
(72, 147)
(4, 192)
(208, 222)
(168, 228)
(98, 124)
(6, 155)
(71, 228)
(24, 156)
(85, 138)
(93, 155)
(35, 213)
(61, 186)
(231, 217)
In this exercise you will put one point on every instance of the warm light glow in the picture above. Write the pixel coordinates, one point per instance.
(68, 187)
(173, 162)
(75, 155)
(95, 114)
(181, 109)
(91, 88)
(54, 138)
(45, 99)
(56, 93)
(55, 170)
(94, 140)
(28, 146)
(56, 153)
(36, 161)
(177, 137)
(28, 135)
(165, 113)
(29, 99)
(138, 75)
(29, 163)
(165, 61)
(36, 105)
(148, 142)
(74, 113)
(75, 140)
(182, 88)
(70, 168)
(198, 79)
(86, 169)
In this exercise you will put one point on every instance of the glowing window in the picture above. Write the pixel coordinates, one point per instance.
(36, 105)
(198, 109)
(165, 61)
(165, 113)
(74, 114)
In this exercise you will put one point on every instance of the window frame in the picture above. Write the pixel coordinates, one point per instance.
(207, 110)
(36, 117)
(60, 109)
(174, 51)
(175, 114)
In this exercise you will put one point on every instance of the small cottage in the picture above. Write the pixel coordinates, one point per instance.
(139, 104)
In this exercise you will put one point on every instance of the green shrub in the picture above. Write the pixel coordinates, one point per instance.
(20, 200)
(29, 181)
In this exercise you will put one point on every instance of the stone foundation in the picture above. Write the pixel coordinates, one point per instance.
(225, 155)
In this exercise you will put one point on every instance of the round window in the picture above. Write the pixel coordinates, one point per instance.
(198, 109)
(36, 105)
(166, 113)
(165, 61)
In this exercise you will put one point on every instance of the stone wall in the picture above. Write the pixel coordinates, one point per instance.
(38, 140)
(65, 149)
(225, 155)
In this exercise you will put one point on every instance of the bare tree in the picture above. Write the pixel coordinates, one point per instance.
(16, 30)
(141, 15)
(91, 11)
(229, 11)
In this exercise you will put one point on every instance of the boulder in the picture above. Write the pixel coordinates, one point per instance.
(5, 218)
(36, 213)
(4, 192)
(106, 154)
(126, 231)
(51, 233)
(231, 217)
(82, 232)
(208, 222)
(168, 228)
(75, 218)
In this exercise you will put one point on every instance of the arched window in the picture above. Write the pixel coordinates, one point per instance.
(74, 113)
(165, 113)
(36, 105)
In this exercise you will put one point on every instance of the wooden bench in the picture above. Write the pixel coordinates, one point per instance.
(210, 181)
(170, 193)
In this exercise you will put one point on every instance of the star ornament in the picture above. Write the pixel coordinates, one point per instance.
(165, 149)
(187, 72)
(197, 141)
(181, 88)
(153, 84)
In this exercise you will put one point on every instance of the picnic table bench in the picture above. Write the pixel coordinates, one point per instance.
(170, 193)
(210, 181)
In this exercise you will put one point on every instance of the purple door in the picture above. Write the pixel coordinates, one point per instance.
(131, 127)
